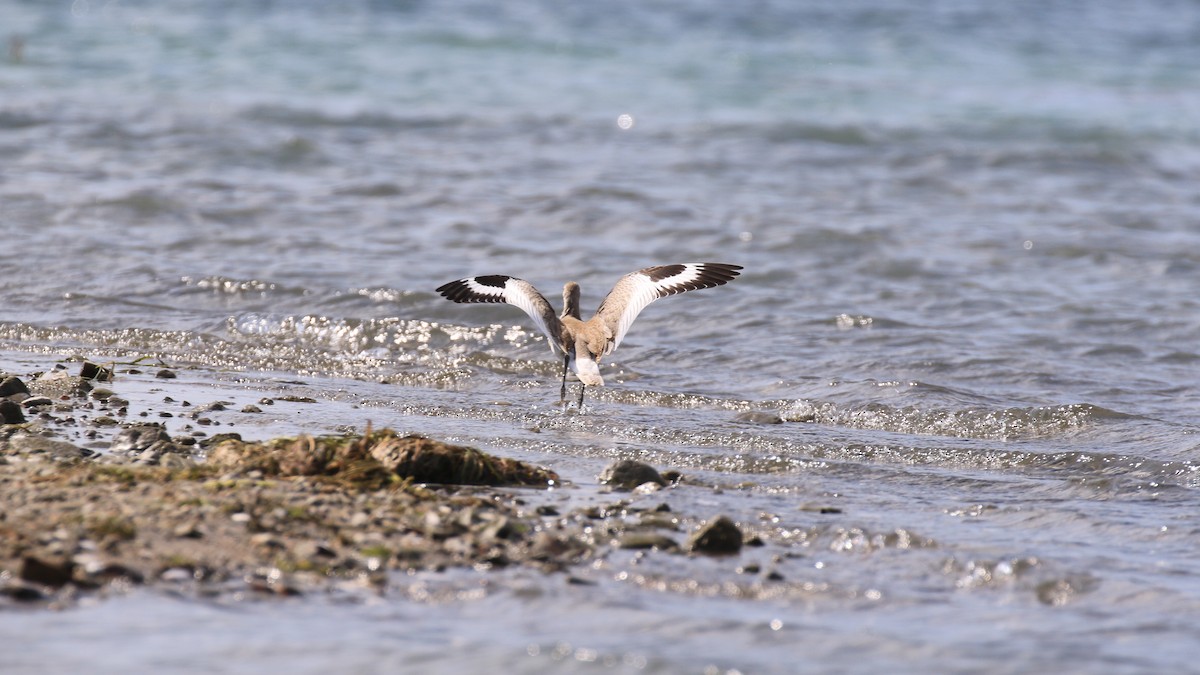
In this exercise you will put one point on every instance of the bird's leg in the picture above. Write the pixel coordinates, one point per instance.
(562, 393)
(579, 405)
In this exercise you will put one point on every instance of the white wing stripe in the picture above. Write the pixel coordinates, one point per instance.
(516, 292)
(634, 291)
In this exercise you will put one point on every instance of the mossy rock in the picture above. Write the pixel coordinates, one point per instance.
(375, 459)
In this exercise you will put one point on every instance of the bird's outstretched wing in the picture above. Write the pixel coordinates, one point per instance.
(514, 291)
(637, 289)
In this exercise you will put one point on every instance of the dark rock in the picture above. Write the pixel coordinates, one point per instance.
(38, 571)
(22, 593)
(91, 371)
(756, 417)
(10, 413)
(719, 536)
(627, 474)
(251, 409)
(11, 386)
(165, 374)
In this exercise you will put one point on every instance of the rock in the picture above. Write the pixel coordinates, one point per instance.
(37, 571)
(138, 438)
(59, 384)
(174, 461)
(315, 551)
(644, 540)
(114, 571)
(217, 439)
(719, 536)
(22, 593)
(10, 412)
(102, 394)
(215, 406)
(188, 531)
(375, 460)
(251, 409)
(429, 461)
(91, 371)
(13, 386)
(627, 474)
(165, 374)
(40, 445)
(756, 417)
(649, 487)
(36, 402)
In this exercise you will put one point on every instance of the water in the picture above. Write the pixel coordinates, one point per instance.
(969, 233)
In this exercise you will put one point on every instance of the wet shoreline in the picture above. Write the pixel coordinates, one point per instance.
(213, 515)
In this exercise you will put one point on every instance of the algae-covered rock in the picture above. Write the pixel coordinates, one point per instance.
(376, 458)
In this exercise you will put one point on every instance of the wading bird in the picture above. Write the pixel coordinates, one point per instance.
(583, 343)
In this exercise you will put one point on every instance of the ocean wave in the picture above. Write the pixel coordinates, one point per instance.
(1004, 424)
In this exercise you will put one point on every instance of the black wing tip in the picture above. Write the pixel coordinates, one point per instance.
(459, 291)
(717, 274)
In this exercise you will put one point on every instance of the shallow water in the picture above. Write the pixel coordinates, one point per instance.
(971, 253)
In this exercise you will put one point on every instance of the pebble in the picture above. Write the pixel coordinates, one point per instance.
(718, 536)
(165, 374)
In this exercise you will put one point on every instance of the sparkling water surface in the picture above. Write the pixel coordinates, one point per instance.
(971, 234)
